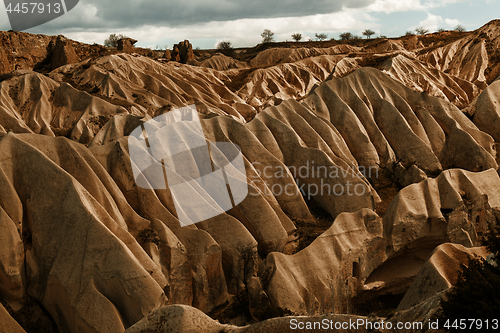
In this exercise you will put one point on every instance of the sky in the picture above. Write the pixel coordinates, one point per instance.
(162, 23)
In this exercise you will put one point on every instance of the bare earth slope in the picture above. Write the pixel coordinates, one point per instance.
(406, 130)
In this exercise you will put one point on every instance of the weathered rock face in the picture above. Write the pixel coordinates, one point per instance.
(485, 111)
(126, 45)
(175, 56)
(176, 319)
(5, 65)
(457, 207)
(185, 319)
(99, 253)
(471, 58)
(439, 273)
(65, 111)
(7, 323)
(183, 52)
(63, 53)
(167, 55)
(344, 255)
(22, 50)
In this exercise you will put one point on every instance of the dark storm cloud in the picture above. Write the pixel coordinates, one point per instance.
(135, 13)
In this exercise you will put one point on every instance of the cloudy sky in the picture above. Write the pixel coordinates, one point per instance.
(206, 22)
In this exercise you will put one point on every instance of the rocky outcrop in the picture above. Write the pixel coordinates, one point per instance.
(419, 76)
(33, 103)
(167, 56)
(457, 207)
(439, 273)
(473, 58)
(63, 53)
(344, 255)
(222, 62)
(485, 111)
(182, 52)
(5, 64)
(178, 319)
(126, 45)
(23, 50)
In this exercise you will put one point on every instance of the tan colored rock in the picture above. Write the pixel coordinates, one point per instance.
(419, 316)
(126, 45)
(344, 255)
(177, 319)
(222, 62)
(167, 56)
(468, 57)
(34, 103)
(8, 324)
(486, 111)
(380, 130)
(416, 214)
(140, 93)
(12, 255)
(82, 263)
(410, 175)
(419, 76)
(454, 207)
(184, 319)
(23, 50)
(439, 273)
(5, 65)
(63, 53)
(175, 55)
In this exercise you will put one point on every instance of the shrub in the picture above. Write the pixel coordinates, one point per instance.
(224, 45)
(321, 37)
(149, 236)
(247, 262)
(112, 40)
(421, 31)
(460, 28)
(297, 37)
(441, 30)
(267, 36)
(368, 33)
(346, 36)
(409, 33)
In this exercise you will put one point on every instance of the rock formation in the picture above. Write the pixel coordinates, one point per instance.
(371, 172)
(439, 273)
(63, 53)
(126, 45)
(182, 52)
(167, 56)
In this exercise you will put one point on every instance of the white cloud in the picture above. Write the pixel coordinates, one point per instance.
(434, 22)
(391, 6)
(243, 32)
